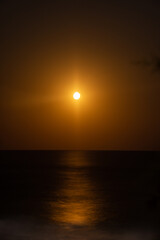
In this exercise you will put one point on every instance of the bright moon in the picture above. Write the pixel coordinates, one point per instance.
(76, 95)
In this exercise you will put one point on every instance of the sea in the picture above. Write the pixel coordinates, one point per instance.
(79, 195)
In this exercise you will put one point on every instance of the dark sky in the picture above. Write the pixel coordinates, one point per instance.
(109, 51)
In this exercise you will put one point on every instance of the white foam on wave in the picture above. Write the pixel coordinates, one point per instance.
(28, 229)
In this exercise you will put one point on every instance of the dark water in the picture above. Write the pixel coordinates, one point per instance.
(79, 195)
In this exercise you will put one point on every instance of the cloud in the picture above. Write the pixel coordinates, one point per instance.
(152, 63)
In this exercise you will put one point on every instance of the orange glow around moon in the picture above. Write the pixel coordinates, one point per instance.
(76, 95)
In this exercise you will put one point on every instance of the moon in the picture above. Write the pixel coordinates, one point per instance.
(76, 95)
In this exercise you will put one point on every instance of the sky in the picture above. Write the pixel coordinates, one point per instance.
(107, 50)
